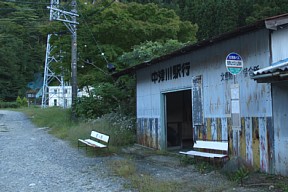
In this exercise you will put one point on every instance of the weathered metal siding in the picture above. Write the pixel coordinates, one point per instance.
(254, 141)
(254, 138)
(280, 114)
(148, 131)
(279, 42)
(280, 102)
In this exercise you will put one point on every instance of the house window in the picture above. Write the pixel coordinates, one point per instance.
(55, 102)
(65, 91)
(55, 91)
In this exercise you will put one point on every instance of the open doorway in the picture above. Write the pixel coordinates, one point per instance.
(179, 119)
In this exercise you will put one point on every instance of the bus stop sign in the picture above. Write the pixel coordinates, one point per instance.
(234, 63)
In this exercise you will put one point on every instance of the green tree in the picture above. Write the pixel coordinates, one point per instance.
(20, 49)
(126, 34)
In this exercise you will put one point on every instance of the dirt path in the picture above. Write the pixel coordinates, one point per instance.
(33, 160)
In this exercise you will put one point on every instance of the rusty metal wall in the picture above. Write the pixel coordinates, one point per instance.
(255, 141)
(148, 132)
(256, 145)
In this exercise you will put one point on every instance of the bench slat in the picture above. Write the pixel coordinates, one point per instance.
(203, 154)
(92, 143)
(100, 136)
(93, 140)
(214, 145)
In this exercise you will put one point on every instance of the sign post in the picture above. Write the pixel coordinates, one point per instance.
(234, 65)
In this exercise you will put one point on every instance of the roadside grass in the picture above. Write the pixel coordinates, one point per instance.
(59, 124)
(142, 182)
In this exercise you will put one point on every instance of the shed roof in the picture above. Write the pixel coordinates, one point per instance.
(278, 71)
(271, 23)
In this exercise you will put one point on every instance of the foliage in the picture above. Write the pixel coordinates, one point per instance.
(142, 182)
(125, 33)
(22, 102)
(185, 160)
(117, 96)
(21, 48)
(239, 175)
(120, 129)
(123, 168)
(149, 50)
(146, 183)
(116, 29)
(217, 17)
(9, 104)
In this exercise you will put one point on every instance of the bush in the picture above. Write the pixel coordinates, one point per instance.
(9, 104)
(120, 128)
(22, 102)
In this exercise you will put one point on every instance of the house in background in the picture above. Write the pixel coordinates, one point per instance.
(60, 96)
(189, 94)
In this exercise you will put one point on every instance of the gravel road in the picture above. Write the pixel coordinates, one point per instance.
(33, 160)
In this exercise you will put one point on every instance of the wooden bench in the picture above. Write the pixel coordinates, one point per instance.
(209, 149)
(97, 140)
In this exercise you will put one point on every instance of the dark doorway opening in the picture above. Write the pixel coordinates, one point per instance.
(179, 119)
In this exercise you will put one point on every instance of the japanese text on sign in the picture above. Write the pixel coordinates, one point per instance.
(173, 72)
(246, 71)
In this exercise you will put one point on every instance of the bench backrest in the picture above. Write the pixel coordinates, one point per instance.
(213, 145)
(100, 136)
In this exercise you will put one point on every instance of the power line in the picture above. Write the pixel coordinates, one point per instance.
(22, 2)
(22, 9)
(93, 37)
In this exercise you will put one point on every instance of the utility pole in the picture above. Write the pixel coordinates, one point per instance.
(74, 60)
(69, 20)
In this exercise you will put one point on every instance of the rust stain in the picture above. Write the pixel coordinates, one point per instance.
(255, 143)
(263, 90)
(219, 129)
(249, 140)
(200, 135)
(248, 101)
(243, 139)
(208, 133)
(230, 135)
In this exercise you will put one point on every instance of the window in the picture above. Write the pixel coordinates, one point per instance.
(55, 91)
(55, 102)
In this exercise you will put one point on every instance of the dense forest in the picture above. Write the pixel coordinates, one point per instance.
(123, 32)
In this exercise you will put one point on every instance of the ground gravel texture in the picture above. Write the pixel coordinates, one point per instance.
(33, 160)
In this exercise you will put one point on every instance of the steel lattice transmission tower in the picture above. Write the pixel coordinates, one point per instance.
(49, 74)
(69, 20)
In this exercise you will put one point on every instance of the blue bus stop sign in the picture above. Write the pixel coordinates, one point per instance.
(234, 63)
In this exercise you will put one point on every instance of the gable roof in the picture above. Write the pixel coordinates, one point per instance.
(271, 23)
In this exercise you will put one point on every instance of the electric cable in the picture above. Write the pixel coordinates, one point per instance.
(93, 37)
(22, 2)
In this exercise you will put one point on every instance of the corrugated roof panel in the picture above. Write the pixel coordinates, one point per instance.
(281, 65)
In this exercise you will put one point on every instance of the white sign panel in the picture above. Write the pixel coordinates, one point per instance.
(234, 63)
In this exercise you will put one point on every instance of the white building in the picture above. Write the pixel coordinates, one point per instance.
(60, 96)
